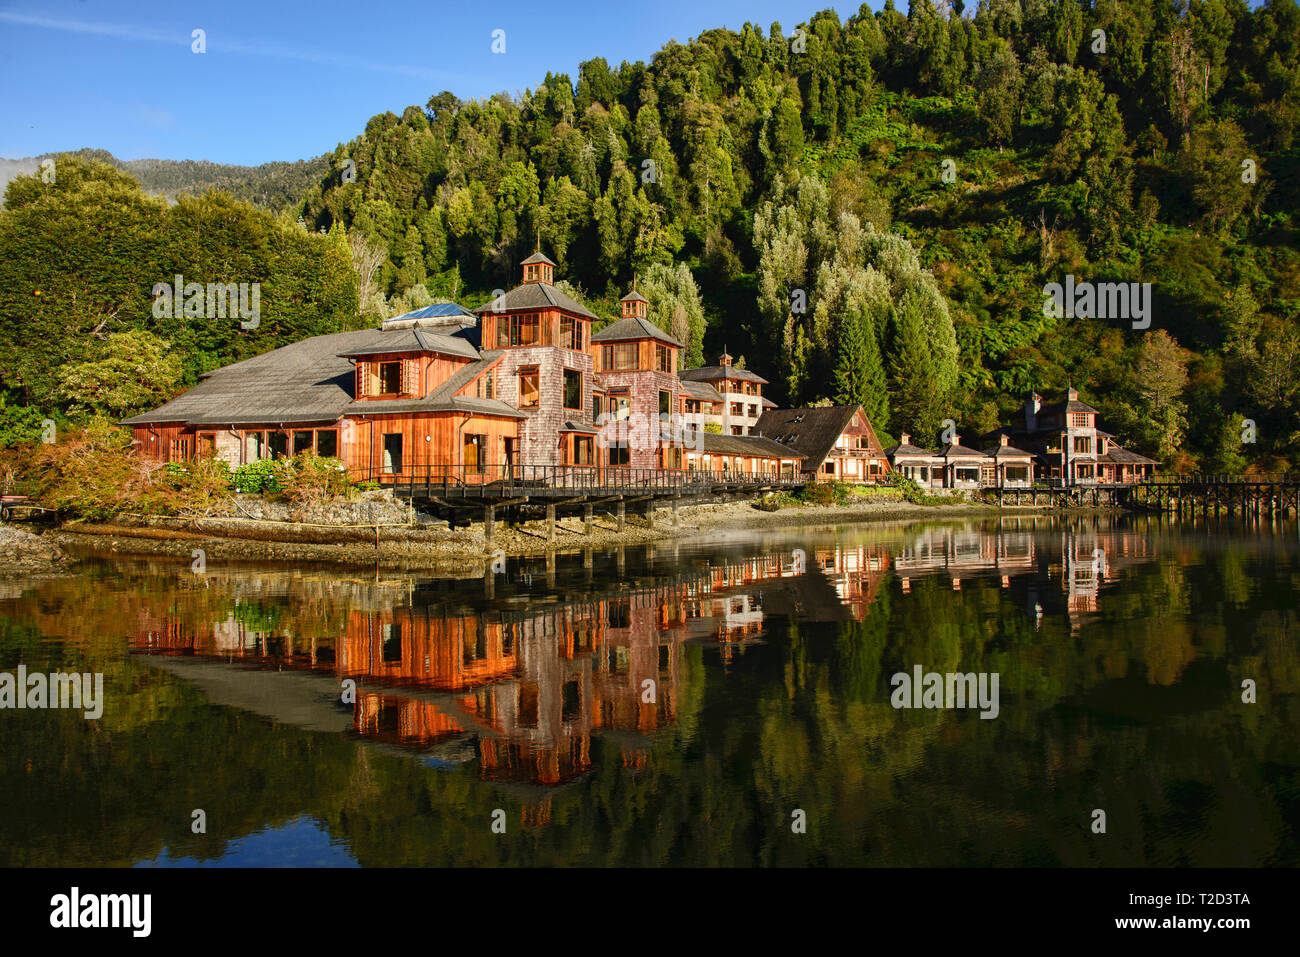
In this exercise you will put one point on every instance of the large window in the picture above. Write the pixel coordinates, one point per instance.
(663, 358)
(1079, 419)
(966, 475)
(737, 408)
(327, 443)
(1083, 444)
(619, 357)
(619, 454)
(529, 388)
(1017, 473)
(573, 388)
(665, 402)
(486, 385)
(278, 444)
(571, 333)
(517, 330)
(301, 442)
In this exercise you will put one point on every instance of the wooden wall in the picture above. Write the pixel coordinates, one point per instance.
(363, 439)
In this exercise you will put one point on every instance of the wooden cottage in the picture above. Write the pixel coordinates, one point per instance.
(837, 443)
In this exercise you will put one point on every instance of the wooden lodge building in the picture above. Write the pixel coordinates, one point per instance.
(837, 442)
(520, 381)
(1057, 444)
(1067, 447)
(724, 395)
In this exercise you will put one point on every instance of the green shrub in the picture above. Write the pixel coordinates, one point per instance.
(257, 478)
(912, 492)
(308, 478)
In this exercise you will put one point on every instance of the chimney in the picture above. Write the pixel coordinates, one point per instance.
(956, 439)
(1032, 405)
(1072, 394)
(1002, 440)
(904, 439)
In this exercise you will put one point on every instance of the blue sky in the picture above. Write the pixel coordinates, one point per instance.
(285, 81)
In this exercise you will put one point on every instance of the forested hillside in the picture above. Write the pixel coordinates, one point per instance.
(272, 186)
(871, 209)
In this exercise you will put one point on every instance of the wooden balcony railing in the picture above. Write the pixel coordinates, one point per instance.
(503, 480)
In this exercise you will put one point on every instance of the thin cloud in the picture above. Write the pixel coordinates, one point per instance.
(221, 43)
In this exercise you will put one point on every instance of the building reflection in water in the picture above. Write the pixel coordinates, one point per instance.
(522, 682)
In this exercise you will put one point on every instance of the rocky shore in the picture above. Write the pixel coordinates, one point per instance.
(262, 531)
(22, 552)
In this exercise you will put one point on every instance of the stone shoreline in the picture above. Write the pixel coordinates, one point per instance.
(415, 546)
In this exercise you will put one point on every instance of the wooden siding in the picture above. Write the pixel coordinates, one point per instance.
(363, 446)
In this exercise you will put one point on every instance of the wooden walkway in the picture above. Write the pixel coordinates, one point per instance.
(461, 493)
(1252, 496)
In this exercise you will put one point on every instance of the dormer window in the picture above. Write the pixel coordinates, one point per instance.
(386, 377)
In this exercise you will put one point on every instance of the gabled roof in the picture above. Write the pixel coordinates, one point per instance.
(812, 432)
(633, 328)
(413, 339)
(716, 444)
(710, 373)
(910, 450)
(701, 390)
(537, 257)
(634, 296)
(1007, 452)
(534, 295)
(1120, 456)
(1067, 405)
(953, 450)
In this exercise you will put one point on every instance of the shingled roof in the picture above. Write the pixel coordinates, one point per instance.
(701, 390)
(812, 432)
(307, 381)
(633, 328)
(717, 444)
(1120, 456)
(408, 340)
(709, 373)
(957, 450)
(534, 295)
(312, 381)
(910, 450)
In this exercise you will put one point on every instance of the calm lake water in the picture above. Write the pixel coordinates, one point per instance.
(720, 702)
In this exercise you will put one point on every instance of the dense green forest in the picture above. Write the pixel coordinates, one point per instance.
(271, 185)
(867, 210)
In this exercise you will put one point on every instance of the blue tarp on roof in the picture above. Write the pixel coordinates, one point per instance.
(437, 310)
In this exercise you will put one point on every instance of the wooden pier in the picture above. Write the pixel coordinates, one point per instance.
(1189, 496)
